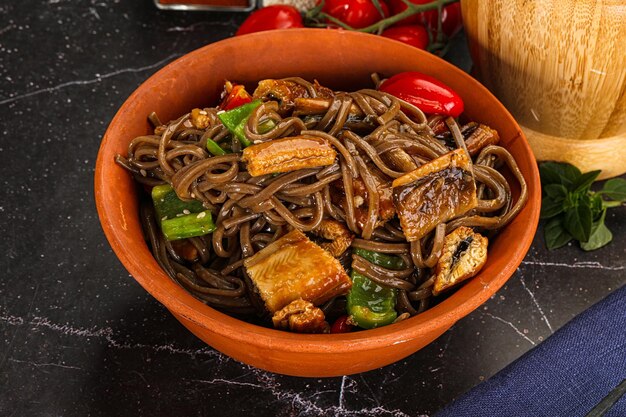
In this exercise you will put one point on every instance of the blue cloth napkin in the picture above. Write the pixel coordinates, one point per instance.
(568, 375)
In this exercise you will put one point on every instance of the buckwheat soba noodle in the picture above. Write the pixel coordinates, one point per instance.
(322, 206)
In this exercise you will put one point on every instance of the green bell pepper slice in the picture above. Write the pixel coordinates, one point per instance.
(214, 148)
(235, 120)
(381, 259)
(369, 304)
(188, 225)
(180, 219)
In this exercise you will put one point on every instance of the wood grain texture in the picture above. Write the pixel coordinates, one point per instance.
(559, 66)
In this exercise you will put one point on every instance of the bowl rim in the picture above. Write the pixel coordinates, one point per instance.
(190, 308)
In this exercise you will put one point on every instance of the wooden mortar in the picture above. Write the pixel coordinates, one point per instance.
(559, 66)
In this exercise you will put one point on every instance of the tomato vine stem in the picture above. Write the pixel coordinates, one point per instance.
(317, 18)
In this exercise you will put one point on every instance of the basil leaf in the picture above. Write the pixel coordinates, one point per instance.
(578, 221)
(559, 173)
(576, 212)
(585, 180)
(615, 189)
(597, 206)
(572, 200)
(550, 208)
(549, 173)
(555, 234)
(556, 191)
(600, 235)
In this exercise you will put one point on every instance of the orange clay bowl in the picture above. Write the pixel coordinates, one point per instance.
(340, 60)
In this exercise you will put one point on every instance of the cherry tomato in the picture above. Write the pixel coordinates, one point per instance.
(271, 17)
(427, 93)
(341, 325)
(414, 35)
(451, 19)
(355, 13)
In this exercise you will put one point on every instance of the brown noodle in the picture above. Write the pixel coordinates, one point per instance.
(251, 212)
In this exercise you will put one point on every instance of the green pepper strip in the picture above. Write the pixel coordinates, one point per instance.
(167, 204)
(180, 219)
(189, 225)
(381, 259)
(235, 120)
(213, 147)
(266, 125)
(369, 304)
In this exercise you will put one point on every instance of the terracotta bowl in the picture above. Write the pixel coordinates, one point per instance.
(342, 60)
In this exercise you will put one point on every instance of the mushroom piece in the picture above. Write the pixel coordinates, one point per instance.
(293, 267)
(200, 119)
(285, 92)
(185, 249)
(337, 233)
(288, 154)
(386, 208)
(463, 256)
(301, 316)
(434, 193)
(480, 137)
(475, 135)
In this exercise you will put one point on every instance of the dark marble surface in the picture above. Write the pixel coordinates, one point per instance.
(79, 337)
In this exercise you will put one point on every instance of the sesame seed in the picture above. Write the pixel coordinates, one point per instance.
(185, 211)
(201, 215)
(163, 218)
(143, 172)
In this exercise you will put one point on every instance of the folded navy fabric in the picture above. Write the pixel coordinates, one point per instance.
(567, 375)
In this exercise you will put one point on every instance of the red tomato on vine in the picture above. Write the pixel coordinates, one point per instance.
(414, 35)
(355, 13)
(451, 19)
(271, 17)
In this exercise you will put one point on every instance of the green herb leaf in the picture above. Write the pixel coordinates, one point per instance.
(578, 222)
(552, 203)
(550, 208)
(597, 206)
(576, 212)
(559, 173)
(600, 235)
(615, 189)
(556, 191)
(572, 200)
(585, 180)
(555, 234)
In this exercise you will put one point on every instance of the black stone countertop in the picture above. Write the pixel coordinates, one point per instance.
(79, 337)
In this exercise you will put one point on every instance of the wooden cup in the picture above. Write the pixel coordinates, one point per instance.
(559, 66)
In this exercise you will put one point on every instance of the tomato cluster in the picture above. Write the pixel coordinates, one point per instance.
(425, 92)
(451, 21)
(416, 30)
